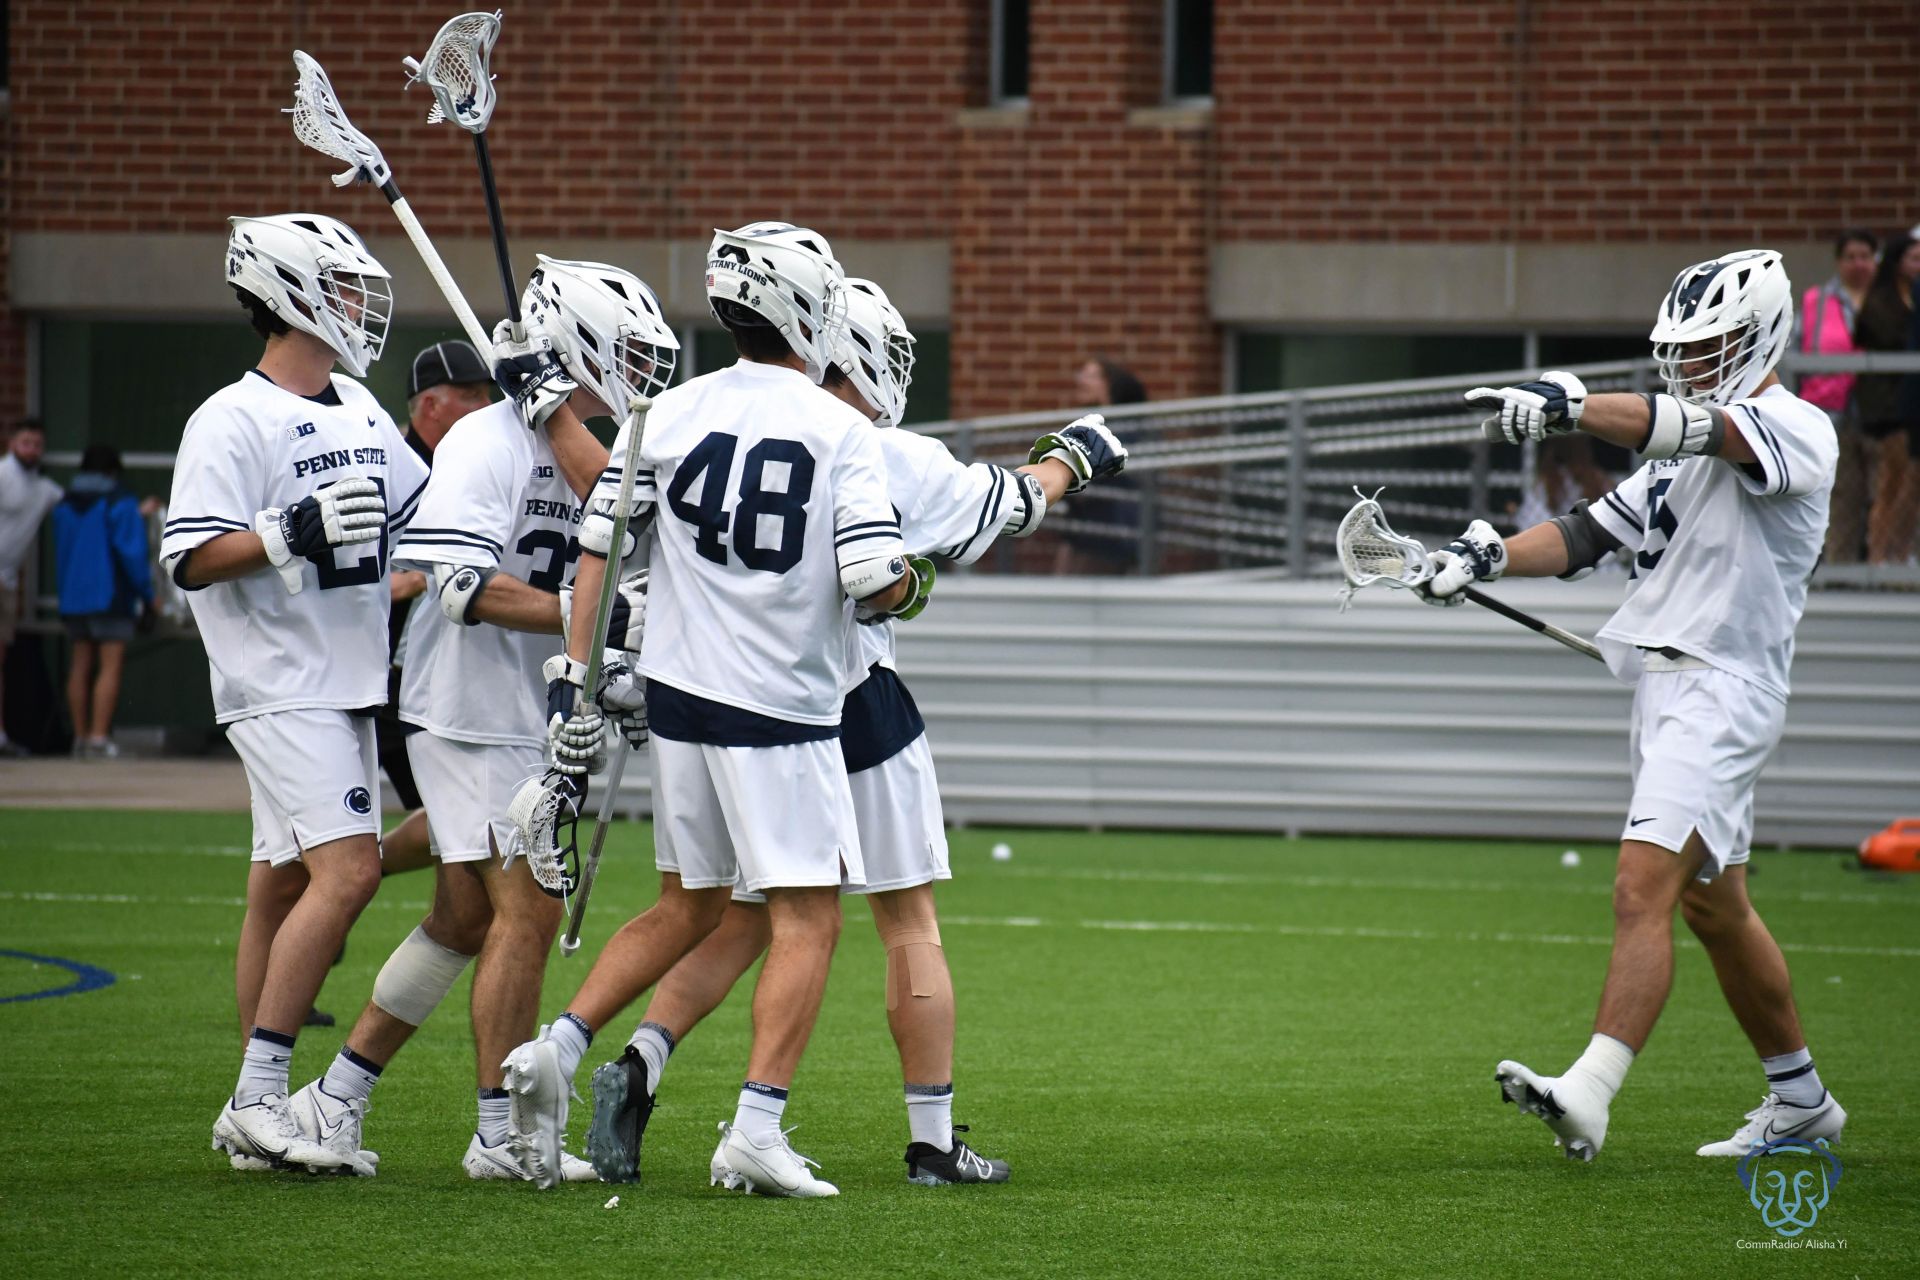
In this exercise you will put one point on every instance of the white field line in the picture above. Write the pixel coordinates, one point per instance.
(1414, 884)
(1037, 922)
(1390, 935)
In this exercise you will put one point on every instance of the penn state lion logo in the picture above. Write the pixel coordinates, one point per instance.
(1790, 1196)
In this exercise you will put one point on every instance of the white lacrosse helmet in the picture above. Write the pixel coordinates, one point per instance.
(1745, 300)
(877, 353)
(779, 275)
(606, 328)
(316, 274)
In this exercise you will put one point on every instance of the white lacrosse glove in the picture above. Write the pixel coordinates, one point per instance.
(628, 621)
(623, 696)
(339, 515)
(1532, 410)
(576, 731)
(525, 366)
(1478, 555)
(1088, 447)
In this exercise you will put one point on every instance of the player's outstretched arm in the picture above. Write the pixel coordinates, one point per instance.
(1628, 420)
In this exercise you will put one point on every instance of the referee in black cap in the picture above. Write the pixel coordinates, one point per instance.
(447, 381)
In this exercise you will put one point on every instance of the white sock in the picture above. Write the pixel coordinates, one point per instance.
(1791, 1075)
(1605, 1063)
(350, 1076)
(263, 1067)
(930, 1114)
(570, 1038)
(655, 1044)
(759, 1112)
(493, 1117)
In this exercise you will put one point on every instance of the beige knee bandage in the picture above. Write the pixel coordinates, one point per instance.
(912, 962)
(417, 977)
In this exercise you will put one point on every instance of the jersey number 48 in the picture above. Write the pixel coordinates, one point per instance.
(710, 463)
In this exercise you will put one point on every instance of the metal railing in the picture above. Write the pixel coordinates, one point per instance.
(1260, 481)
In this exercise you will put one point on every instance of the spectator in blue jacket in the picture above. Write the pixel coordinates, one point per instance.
(100, 547)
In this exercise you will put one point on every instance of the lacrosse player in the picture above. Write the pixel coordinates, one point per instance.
(496, 535)
(956, 511)
(445, 382)
(1725, 523)
(288, 486)
(769, 507)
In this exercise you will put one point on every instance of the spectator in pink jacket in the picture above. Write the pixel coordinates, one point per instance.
(1827, 315)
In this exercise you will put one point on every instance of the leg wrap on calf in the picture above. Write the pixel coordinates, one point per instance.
(417, 977)
(914, 961)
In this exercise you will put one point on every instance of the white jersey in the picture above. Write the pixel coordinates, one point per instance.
(1722, 553)
(765, 485)
(254, 445)
(947, 508)
(496, 500)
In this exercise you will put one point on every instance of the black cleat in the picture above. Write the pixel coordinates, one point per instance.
(929, 1166)
(622, 1105)
(318, 1018)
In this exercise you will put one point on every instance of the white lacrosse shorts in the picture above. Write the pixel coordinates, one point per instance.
(1698, 742)
(903, 831)
(762, 817)
(465, 787)
(313, 777)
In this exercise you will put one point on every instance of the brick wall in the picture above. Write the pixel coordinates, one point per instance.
(1604, 120)
(1085, 225)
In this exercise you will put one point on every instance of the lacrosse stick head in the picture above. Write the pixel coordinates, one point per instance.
(545, 814)
(455, 68)
(1370, 551)
(319, 122)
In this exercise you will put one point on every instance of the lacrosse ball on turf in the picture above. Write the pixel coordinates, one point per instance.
(1571, 858)
(1003, 853)
(612, 1203)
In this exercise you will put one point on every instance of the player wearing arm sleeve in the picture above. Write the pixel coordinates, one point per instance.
(1725, 521)
(955, 510)
(278, 529)
(496, 535)
(768, 510)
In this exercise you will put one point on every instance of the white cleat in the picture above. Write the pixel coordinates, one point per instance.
(537, 1096)
(487, 1163)
(1570, 1104)
(265, 1131)
(1777, 1121)
(718, 1174)
(773, 1170)
(335, 1125)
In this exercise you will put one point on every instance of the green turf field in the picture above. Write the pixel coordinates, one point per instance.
(1202, 1054)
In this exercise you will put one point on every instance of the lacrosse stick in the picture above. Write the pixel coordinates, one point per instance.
(455, 68)
(1370, 552)
(603, 612)
(319, 122)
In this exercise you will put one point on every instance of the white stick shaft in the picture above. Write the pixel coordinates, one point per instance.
(441, 276)
(622, 512)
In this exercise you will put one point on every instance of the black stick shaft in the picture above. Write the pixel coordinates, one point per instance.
(499, 222)
(1505, 610)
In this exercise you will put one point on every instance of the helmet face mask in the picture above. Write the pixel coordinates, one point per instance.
(877, 352)
(313, 272)
(787, 278)
(606, 328)
(1723, 326)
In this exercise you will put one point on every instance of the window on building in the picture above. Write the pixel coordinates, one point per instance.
(1265, 361)
(1007, 54)
(1189, 46)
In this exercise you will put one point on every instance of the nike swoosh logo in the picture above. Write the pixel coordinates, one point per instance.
(1637, 821)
